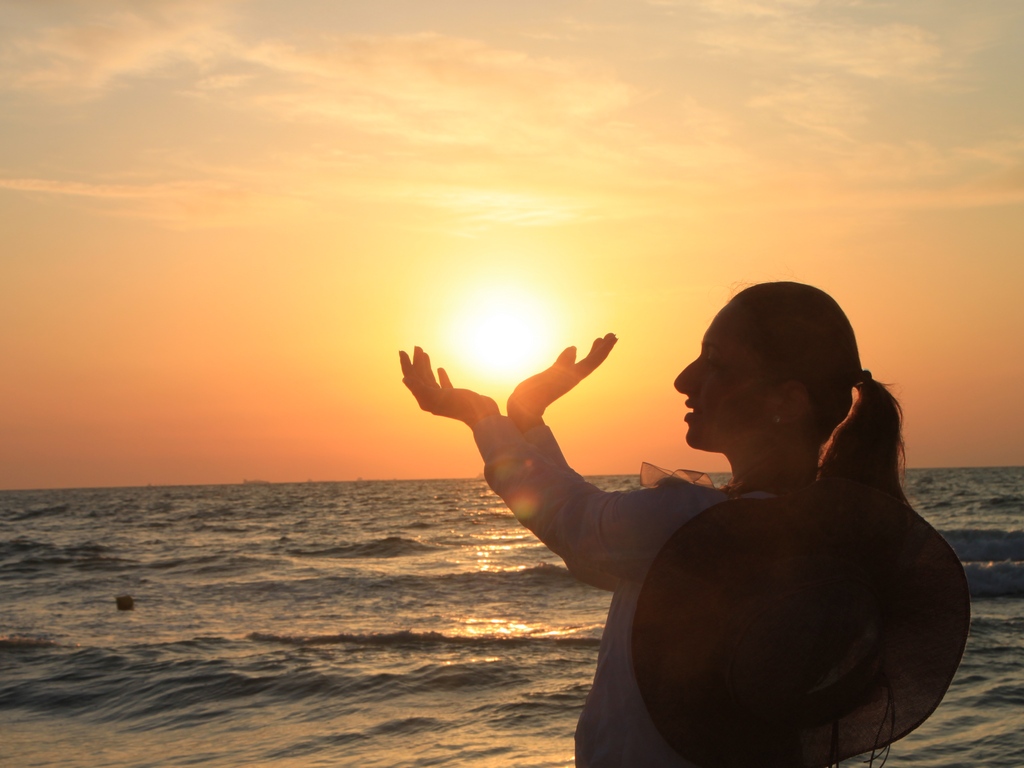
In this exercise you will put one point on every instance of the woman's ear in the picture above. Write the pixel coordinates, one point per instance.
(790, 403)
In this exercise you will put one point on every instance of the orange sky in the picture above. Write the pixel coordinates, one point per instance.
(219, 221)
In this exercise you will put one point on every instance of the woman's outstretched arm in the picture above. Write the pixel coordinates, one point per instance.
(603, 537)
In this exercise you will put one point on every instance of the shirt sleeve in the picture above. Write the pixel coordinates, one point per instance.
(602, 536)
(543, 439)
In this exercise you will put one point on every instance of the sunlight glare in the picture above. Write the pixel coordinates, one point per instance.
(503, 340)
(505, 335)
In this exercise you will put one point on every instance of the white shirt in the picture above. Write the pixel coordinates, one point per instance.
(607, 540)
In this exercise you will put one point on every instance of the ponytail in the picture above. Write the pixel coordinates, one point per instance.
(867, 447)
(802, 334)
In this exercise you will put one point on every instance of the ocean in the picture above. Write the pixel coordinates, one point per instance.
(379, 623)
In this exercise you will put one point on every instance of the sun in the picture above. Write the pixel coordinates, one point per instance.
(503, 340)
(504, 335)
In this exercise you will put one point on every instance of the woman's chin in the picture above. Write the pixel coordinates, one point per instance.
(699, 441)
(693, 438)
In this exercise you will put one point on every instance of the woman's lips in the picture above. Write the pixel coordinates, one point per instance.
(693, 410)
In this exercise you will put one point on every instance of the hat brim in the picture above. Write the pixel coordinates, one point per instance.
(726, 564)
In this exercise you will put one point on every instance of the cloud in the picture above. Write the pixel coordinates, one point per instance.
(423, 88)
(477, 130)
(840, 36)
(430, 88)
(232, 196)
(183, 204)
(1004, 153)
(501, 206)
(79, 48)
(744, 8)
(816, 104)
(404, 108)
(1009, 181)
(56, 187)
(889, 51)
(1004, 157)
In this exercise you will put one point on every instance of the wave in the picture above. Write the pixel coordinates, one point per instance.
(1005, 500)
(408, 637)
(993, 560)
(26, 555)
(161, 687)
(528, 583)
(19, 545)
(24, 641)
(214, 563)
(995, 579)
(44, 511)
(392, 546)
(537, 575)
(981, 545)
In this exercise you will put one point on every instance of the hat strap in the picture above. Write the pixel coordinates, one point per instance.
(833, 750)
(889, 714)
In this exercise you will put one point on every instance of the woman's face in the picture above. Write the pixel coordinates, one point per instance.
(726, 390)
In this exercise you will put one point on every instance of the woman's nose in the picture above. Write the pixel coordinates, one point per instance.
(684, 381)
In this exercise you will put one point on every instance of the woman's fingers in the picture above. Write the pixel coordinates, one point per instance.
(599, 352)
(403, 358)
(419, 378)
(437, 394)
(567, 358)
(421, 366)
(602, 346)
(442, 399)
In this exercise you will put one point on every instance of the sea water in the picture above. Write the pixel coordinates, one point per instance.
(404, 623)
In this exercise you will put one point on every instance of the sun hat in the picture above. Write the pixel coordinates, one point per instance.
(797, 631)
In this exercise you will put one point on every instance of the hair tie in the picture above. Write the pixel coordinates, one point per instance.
(865, 376)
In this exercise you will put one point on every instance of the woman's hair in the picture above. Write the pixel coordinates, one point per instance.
(801, 334)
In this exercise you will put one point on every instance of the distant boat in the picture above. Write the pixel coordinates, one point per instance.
(255, 482)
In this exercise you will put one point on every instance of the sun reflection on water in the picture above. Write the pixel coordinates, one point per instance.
(477, 627)
(496, 548)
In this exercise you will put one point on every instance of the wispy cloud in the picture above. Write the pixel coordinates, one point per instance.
(187, 204)
(78, 48)
(437, 89)
(399, 105)
(485, 131)
(428, 87)
(81, 189)
(817, 104)
(743, 8)
(901, 52)
(486, 206)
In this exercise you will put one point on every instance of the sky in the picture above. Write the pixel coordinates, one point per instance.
(221, 219)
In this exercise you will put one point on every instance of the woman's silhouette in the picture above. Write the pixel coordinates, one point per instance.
(778, 388)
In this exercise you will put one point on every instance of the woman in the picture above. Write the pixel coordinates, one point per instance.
(772, 390)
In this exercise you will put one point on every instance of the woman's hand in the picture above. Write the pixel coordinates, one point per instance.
(442, 399)
(527, 403)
